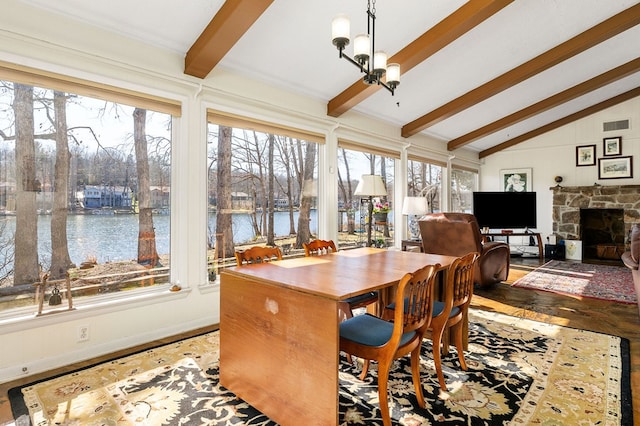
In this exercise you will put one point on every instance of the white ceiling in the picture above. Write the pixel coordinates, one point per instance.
(290, 46)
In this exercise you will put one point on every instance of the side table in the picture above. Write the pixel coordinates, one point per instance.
(405, 244)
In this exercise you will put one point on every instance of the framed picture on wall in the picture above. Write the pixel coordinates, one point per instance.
(516, 180)
(615, 168)
(612, 146)
(585, 155)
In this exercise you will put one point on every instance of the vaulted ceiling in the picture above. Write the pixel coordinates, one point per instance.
(479, 74)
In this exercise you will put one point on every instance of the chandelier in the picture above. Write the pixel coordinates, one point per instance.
(364, 46)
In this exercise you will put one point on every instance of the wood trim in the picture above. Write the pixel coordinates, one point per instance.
(233, 19)
(426, 160)
(446, 31)
(546, 104)
(49, 80)
(589, 38)
(370, 149)
(464, 168)
(561, 122)
(240, 122)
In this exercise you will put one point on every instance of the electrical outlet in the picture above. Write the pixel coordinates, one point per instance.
(83, 333)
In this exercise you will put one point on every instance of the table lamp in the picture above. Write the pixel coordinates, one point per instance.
(414, 207)
(370, 186)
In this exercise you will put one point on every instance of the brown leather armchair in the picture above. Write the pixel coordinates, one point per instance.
(456, 234)
(631, 258)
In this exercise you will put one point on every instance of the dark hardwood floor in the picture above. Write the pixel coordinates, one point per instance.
(605, 317)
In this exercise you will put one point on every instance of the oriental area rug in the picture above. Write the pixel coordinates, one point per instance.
(604, 282)
(519, 372)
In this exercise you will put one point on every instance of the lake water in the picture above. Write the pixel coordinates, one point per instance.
(115, 237)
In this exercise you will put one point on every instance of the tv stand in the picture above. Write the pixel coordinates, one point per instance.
(527, 233)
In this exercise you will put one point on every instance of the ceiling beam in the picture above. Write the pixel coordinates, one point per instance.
(597, 82)
(561, 122)
(593, 36)
(446, 31)
(233, 19)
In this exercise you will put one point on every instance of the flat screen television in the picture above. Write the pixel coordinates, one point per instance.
(505, 210)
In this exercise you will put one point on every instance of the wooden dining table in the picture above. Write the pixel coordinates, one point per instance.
(279, 327)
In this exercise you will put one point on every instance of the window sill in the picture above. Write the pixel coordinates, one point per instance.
(25, 318)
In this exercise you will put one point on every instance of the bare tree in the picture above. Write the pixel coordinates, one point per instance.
(6, 251)
(147, 254)
(347, 194)
(26, 242)
(304, 233)
(60, 259)
(288, 160)
(270, 189)
(224, 221)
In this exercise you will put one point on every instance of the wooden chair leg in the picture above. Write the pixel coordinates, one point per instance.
(436, 338)
(365, 369)
(383, 395)
(446, 341)
(415, 373)
(457, 332)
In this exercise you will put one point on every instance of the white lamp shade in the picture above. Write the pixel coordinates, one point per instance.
(379, 61)
(371, 185)
(414, 206)
(361, 47)
(393, 73)
(340, 27)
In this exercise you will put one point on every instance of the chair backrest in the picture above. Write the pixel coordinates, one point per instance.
(459, 288)
(258, 255)
(319, 247)
(450, 234)
(414, 302)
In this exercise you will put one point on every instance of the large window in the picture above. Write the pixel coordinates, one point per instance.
(424, 179)
(353, 210)
(84, 192)
(263, 187)
(463, 183)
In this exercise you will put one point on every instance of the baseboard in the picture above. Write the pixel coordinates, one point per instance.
(15, 372)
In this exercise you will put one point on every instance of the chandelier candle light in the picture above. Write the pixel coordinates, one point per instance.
(364, 49)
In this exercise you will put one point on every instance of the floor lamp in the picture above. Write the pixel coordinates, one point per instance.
(370, 186)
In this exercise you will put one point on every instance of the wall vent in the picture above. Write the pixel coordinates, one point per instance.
(610, 126)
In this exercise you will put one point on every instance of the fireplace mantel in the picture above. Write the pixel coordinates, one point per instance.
(568, 200)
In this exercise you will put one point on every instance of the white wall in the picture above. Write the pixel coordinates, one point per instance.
(34, 38)
(554, 154)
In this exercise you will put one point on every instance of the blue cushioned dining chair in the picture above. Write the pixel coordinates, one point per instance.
(321, 247)
(372, 338)
(452, 313)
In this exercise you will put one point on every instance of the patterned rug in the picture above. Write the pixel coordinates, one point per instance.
(520, 372)
(604, 282)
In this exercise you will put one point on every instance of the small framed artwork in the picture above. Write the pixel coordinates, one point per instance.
(615, 168)
(516, 180)
(612, 146)
(585, 155)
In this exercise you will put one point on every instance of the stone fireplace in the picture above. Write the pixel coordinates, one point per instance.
(601, 216)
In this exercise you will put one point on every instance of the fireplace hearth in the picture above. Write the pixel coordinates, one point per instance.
(611, 211)
(602, 234)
